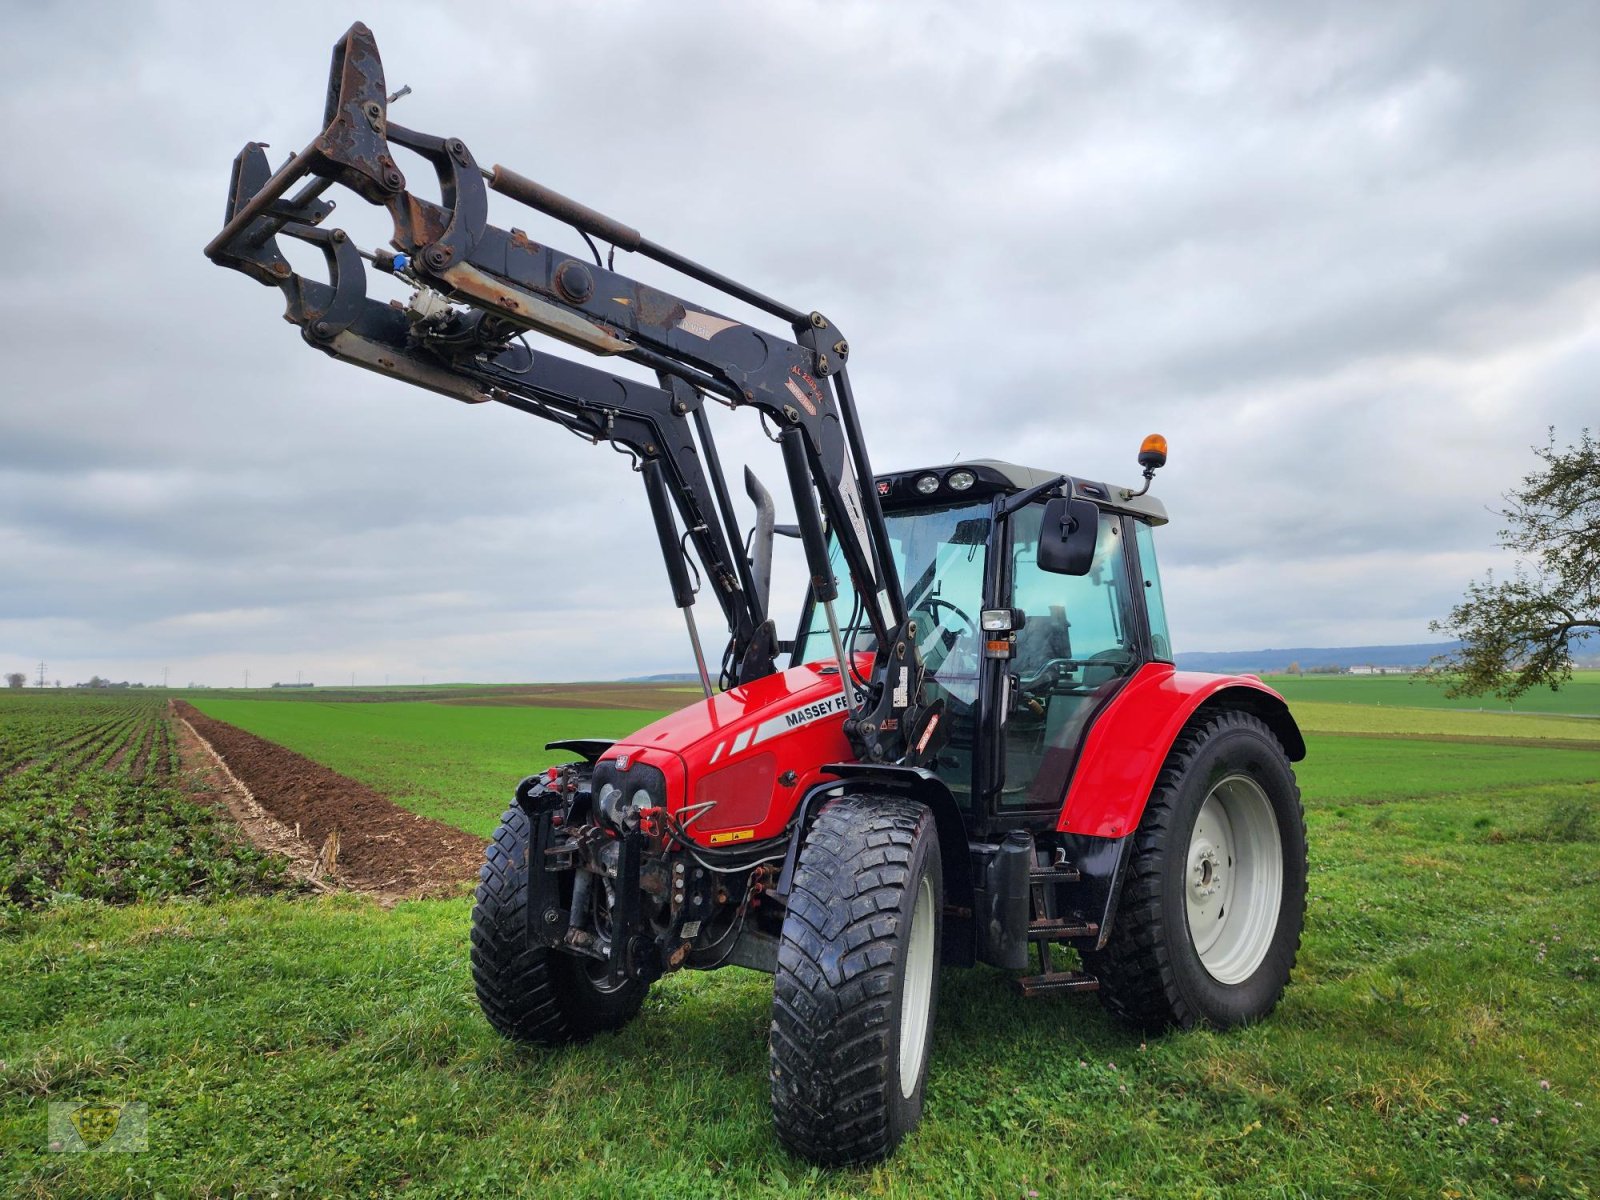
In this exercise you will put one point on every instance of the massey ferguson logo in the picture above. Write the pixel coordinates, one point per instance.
(814, 712)
(783, 723)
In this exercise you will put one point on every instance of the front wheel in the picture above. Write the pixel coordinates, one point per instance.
(857, 981)
(532, 993)
(1215, 890)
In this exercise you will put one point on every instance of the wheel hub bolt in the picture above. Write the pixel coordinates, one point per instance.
(1207, 873)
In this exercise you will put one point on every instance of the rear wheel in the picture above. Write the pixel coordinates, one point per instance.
(1214, 895)
(857, 981)
(533, 993)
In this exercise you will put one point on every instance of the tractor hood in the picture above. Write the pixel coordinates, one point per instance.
(736, 764)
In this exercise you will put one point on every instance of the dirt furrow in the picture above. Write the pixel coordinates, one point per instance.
(161, 753)
(141, 757)
(92, 751)
(381, 847)
(130, 740)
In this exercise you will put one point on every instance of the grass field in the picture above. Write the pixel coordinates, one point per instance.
(1441, 723)
(460, 764)
(1580, 697)
(1439, 1038)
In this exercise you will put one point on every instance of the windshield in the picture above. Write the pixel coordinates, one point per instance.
(940, 553)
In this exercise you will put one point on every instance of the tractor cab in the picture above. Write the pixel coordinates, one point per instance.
(1022, 647)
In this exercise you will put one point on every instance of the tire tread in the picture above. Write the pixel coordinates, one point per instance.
(1138, 979)
(832, 1014)
(530, 993)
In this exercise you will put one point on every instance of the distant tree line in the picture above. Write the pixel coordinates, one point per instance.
(16, 679)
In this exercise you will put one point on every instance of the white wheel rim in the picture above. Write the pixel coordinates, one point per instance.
(916, 997)
(1233, 879)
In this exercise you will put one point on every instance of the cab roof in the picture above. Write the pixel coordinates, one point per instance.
(898, 488)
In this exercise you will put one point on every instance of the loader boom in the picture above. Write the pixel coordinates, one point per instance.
(480, 288)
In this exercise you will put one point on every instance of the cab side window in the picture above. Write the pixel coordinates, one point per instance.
(1078, 620)
(1160, 642)
(1078, 644)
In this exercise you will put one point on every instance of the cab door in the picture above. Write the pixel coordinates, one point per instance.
(1082, 638)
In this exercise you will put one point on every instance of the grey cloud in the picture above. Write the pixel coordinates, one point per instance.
(1344, 256)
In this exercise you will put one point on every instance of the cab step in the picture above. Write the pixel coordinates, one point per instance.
(1061, 931)
(1061, 873)
(1057, 981)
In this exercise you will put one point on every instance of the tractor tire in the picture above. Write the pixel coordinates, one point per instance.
(857, 981)
(1214, 894)
(533, 993)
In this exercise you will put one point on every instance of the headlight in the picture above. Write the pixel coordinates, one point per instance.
(610, 800)
(619, 795)
(996, 620)
(928, 484)
(961, 480)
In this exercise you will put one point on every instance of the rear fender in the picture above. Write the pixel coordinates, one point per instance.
(1131, 738)
(922, 787)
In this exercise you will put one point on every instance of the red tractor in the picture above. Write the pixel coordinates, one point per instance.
(978, 748)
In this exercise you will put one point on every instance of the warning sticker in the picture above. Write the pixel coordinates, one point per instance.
(704, 325)
(799, 394)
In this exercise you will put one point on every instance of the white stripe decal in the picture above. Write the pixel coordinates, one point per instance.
(803, 715)
(782, 723)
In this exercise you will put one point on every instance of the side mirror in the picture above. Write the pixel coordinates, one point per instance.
(1068, 532)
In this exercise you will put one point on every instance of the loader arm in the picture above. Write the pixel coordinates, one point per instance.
(506, 285)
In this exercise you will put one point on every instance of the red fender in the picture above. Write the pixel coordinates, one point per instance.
(1129, 741)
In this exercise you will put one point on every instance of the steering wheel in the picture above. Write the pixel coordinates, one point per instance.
(932, 604)
(1047, 673)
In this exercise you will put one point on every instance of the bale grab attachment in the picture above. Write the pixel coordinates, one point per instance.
(480, 289)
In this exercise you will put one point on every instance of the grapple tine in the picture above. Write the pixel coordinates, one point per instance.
(250, 171)
(354, 146)
(352, 149)
(254, 251)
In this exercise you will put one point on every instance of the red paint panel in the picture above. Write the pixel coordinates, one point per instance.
(794, 720)
(1128, 743)
(741, 793)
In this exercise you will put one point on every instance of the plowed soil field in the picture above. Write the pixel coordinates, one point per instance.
(382, 847)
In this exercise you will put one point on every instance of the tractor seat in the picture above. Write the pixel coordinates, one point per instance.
(1042, 638)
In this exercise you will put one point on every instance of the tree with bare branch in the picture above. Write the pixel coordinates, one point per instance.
(1517, 633)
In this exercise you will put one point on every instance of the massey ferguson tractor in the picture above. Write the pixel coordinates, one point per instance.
(974, 748)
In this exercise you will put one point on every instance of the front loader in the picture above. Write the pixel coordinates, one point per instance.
(974, 749)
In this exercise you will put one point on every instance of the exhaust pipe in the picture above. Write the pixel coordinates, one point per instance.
(761, 538)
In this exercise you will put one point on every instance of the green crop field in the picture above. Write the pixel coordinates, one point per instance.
(1377, 770)
(1444, 723)
(1438, 1040)
(460, 764)
(1580, 697)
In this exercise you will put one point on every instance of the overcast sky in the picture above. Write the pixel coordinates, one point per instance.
(1346, 257)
